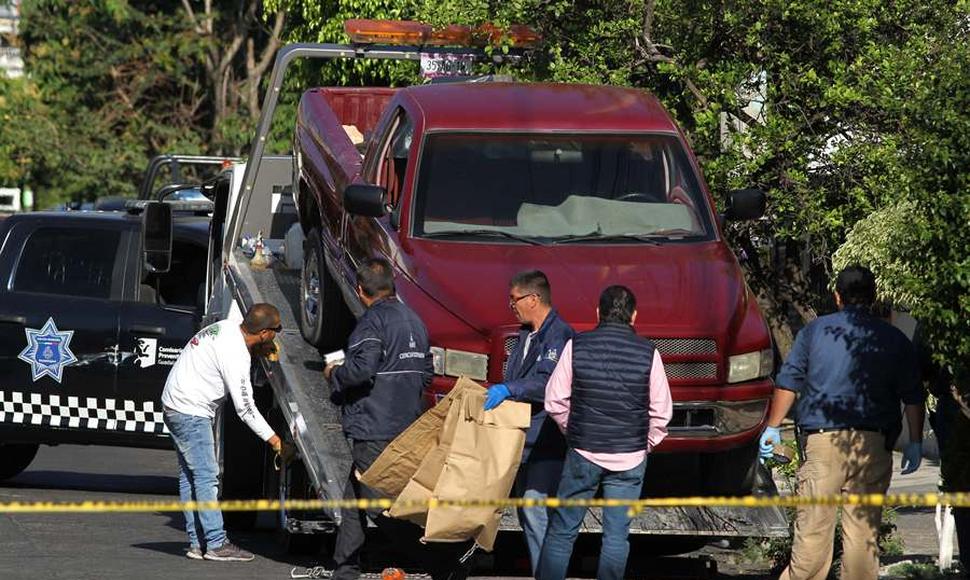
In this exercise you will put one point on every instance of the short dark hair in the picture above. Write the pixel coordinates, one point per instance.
(857, 286)
(376, 278)
(261, 317)
(533, 282)
(617, 304)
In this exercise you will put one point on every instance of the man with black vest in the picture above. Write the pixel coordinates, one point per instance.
(609, 395)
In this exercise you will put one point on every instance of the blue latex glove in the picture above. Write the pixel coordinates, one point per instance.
(912, 457)
(496, 394)
(769, 438)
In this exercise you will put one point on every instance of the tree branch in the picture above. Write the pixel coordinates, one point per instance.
(192, 17)
(648, 8)
(272, 45)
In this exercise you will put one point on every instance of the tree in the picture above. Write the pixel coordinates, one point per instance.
(125, 80)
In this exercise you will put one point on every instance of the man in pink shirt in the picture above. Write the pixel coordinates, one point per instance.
(609, 395)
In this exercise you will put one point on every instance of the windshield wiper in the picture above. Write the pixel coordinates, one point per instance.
(596, 236)
(483, 233)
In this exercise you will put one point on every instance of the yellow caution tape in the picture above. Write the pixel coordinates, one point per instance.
(875, 500)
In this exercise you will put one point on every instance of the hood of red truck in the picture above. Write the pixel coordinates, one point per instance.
(687, 290)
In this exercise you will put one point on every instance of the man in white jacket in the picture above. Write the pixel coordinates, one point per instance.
(216, 361)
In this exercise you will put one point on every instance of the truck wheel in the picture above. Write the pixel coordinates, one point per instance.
(324, 318)
(15, 457)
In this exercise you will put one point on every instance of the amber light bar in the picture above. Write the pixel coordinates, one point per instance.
(363, 31)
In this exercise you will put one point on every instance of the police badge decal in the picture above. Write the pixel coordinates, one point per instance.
(48, 351)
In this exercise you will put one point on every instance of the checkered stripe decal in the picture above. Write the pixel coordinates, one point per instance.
(81, 412)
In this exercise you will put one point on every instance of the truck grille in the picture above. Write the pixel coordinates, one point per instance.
(678, 346)
(676, 371)
(510, 342)
(691, 370)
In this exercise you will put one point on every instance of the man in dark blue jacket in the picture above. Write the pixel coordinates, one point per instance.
(530, 363)
(379, 389)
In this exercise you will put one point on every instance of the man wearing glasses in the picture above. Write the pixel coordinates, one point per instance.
(217, 360)
(541, 340)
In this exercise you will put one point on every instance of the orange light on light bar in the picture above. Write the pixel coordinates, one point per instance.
(363, 31)
(518, 35)
(453, 35)
(523, 36)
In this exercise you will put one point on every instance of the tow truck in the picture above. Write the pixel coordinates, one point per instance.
(692, 295)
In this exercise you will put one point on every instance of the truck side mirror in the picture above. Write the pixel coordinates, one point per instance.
(156, 237)
(746, 204)
(364, 200)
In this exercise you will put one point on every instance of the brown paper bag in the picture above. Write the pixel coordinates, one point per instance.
(421, 486)
(399, 461)
(456, 450)
(480, 463)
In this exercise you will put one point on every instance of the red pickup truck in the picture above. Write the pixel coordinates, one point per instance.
(461, 185)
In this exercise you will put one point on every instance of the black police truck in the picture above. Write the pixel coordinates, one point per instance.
(88, 331)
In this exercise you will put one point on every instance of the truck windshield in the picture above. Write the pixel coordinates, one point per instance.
(559, 188)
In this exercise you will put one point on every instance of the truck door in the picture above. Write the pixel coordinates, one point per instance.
(159, 315)
(365, 237)
(59, 323)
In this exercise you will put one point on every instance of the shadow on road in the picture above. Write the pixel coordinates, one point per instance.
(114, 483)
(172, 548)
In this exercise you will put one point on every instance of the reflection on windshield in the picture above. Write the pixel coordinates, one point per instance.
(190, 194)
(589, 187)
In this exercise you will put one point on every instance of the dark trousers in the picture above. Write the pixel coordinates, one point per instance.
(441, 560)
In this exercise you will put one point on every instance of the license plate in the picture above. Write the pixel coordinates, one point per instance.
(446, 65)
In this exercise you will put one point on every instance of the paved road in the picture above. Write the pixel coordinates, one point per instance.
(127, 546)
(150, 546)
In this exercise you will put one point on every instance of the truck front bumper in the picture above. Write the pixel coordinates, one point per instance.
(713, 419)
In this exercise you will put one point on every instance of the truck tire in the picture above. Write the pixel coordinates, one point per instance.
(15, 457)
(325, 320)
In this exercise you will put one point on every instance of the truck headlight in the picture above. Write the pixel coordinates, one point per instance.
(750, 366)
(455, 363)
(471, 364)
(438, 359)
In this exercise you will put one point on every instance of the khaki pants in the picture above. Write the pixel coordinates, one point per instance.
(839, 462)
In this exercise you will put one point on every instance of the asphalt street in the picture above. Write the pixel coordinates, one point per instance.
(148, 546)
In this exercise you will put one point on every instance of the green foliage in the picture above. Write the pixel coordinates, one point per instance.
(114, 83)
(324, 22)
(106, 77)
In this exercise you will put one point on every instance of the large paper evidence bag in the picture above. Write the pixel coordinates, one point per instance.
(455, 450)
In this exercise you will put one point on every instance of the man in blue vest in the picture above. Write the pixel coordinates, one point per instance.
(609, 395)
(530, 363)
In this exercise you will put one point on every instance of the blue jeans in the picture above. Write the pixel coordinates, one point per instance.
(580, 480)
(537, 479)
(198, 475)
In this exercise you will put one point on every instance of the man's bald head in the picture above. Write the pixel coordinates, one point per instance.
(261, 317)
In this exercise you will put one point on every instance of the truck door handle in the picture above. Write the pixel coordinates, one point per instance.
(147, 329)
(14, 319)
